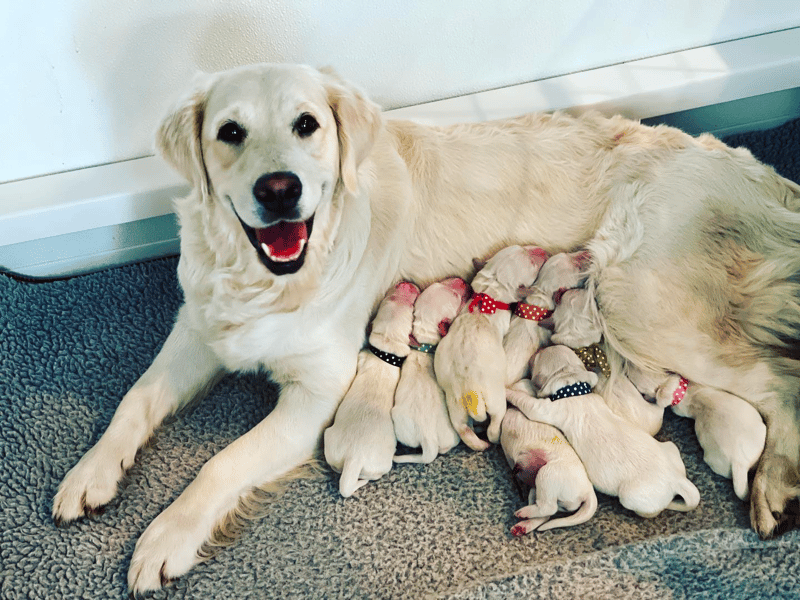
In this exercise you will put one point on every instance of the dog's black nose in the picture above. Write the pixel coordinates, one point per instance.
(278, 192)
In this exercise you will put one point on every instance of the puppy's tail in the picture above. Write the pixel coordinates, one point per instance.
(472, 398)
(739, 471)
(463, 403)
(689, 494)
(349, 482)
(584, 513)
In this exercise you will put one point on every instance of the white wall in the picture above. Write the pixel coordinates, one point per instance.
(85, 81)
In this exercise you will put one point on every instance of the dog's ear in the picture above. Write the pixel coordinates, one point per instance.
(478, 264)
(358, 121)
(178, 135)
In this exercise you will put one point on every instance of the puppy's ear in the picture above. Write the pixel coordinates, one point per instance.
(178, 135)
(358, 121)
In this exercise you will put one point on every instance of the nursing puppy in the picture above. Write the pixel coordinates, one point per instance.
(576, 325)
(730, 431)
(361, 442)
(525, 334)
(620, 459)
(541, 458)
(307, 205)
(420, 412)
(470, 362)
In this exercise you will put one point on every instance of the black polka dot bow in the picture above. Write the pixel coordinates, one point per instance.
(576, 389)
(392, 359)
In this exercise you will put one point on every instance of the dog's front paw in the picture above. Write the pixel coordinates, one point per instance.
(87, 487)
(167, 549)
(773, 498)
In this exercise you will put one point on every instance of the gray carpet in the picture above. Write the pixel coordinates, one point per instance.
(70, 349)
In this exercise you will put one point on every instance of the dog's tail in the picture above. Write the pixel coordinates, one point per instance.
(584, 513)
(690, 497)
(740, 472)
(349, 481)
(430, 450)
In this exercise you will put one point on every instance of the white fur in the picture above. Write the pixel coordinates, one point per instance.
(561, 482)
(575, 320)
(420, 412)
(731, 432)
(625, 400)
(361, 442)
(620, 459)
(470, 362)
(666, 216)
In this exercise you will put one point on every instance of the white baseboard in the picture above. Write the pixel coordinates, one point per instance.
(112, 214)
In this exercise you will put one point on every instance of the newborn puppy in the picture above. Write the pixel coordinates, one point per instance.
(542, 459)
(576, 324)
(620, 459)
(470, 363)
(729, 429)
(420, 412)
(361, 442)
(525, 334)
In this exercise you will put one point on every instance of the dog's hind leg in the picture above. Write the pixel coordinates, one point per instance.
(777, 479)
(184, 368)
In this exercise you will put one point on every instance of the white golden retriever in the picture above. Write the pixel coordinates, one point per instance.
(307, 205)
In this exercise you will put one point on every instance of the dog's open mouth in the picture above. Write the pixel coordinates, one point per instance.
(281, 247)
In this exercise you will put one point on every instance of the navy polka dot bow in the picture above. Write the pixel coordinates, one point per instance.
(576, 389)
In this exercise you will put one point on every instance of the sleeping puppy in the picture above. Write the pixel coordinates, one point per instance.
(420, 412)
(730, 431)
(543, 460)
(576, 324)
(469, 362)
(620, 459)
(361, 442)
(525, 334)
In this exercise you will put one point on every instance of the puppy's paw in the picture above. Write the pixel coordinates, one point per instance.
(88, 486)
(168, 548)
(525, 527)
(775, 490)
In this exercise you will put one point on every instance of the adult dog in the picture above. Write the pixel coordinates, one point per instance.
(307, 205)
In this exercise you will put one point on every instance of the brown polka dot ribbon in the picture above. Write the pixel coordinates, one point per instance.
(594, 357)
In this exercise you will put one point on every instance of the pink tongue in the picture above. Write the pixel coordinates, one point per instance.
(284, 239)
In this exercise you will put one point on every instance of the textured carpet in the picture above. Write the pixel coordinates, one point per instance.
(70, 349)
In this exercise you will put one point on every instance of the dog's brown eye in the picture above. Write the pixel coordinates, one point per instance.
(305, 125)
(231, 133)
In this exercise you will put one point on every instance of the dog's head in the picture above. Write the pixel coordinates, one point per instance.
(555, 367)
(392, 323)
(436, 307)
(277, 145)
(575, 320)
(510, 272)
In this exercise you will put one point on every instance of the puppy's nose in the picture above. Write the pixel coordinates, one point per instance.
(278, 192)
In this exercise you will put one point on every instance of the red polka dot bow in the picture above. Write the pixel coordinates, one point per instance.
(532, 312)
(680, 391)
(487, 304)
